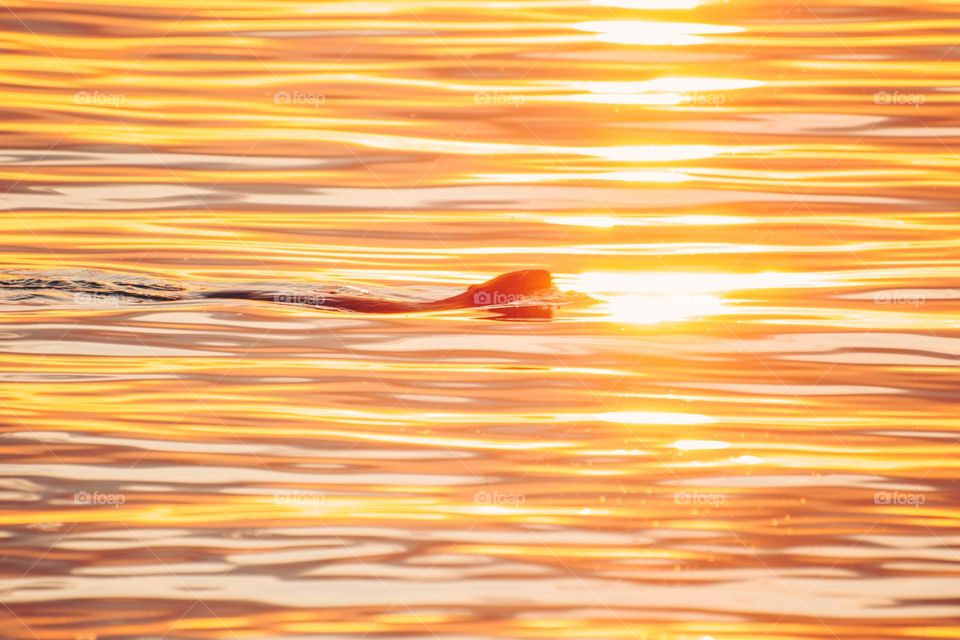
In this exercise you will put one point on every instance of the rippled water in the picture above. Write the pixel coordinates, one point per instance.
(751, 435)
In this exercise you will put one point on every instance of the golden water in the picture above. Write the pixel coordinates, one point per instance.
(752, 435)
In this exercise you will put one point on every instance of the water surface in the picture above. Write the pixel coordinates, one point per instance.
(752, 435)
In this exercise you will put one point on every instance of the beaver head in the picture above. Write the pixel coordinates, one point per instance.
(509, 287)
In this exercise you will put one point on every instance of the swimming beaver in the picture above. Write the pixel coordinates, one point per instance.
(522, 293)
(505, 289)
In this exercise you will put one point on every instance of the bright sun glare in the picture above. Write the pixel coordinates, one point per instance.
(655, 297)
(649, 4)
(640, 32)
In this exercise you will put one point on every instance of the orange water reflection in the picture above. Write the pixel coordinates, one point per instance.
(748, 435)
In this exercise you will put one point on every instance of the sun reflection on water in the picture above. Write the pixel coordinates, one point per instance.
(654, 309)
(607, 222)
(645, 298)
(650, 4)
(642, 32)
(660, 91)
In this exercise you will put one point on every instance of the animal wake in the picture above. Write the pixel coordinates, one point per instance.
(529, 293)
